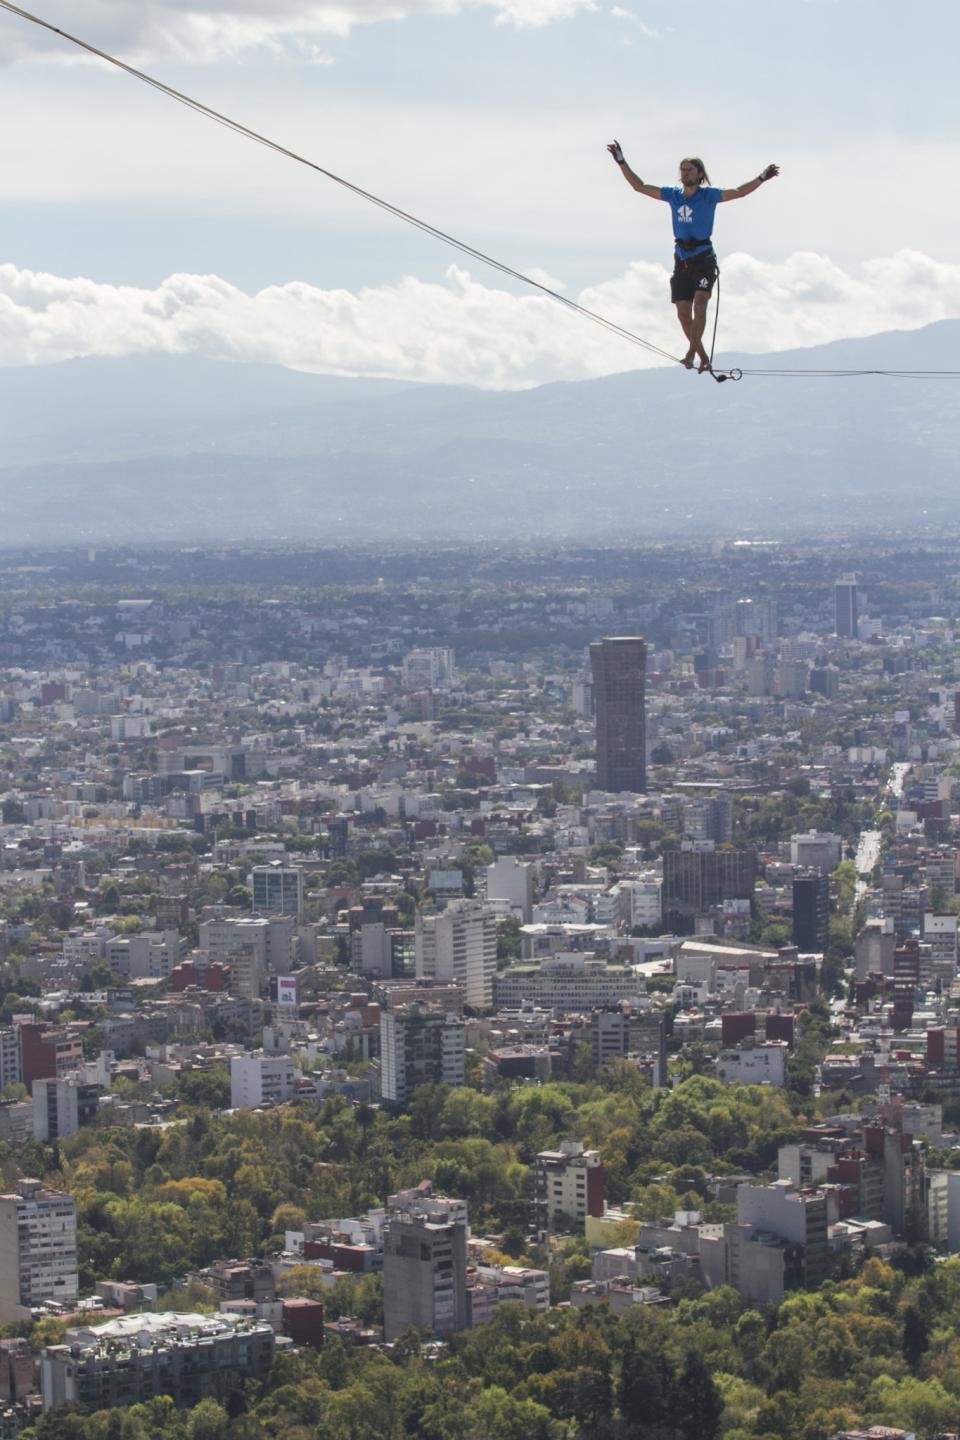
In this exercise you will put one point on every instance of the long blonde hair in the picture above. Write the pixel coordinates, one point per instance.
(695, 160)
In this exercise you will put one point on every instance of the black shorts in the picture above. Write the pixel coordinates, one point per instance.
(691, 277)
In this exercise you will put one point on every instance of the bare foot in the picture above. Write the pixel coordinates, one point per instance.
(704, 367)
(688, 359)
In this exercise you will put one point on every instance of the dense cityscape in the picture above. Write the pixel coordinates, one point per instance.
(481, 993)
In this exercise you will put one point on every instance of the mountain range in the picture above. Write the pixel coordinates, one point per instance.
(182, 449)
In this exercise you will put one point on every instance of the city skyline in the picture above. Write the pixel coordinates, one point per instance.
(344, 992)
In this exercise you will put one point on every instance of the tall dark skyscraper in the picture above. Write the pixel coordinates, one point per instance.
(811, 910)
(619, 689)
(845, 599)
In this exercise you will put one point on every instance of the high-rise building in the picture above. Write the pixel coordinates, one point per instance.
(371, 951)
(419, 1046)
(825, 680)
(270, 938)
(906, 982)
(60, 1107)
(698, 876)
(459, 946)
(940, 933)
(795, 1216)
(38, 1249)
(432, 668)
(756, 616)
(338, 830)
(568, 1186)
(424, 1274)
(811, 910)
(173, 912)
(11, 1070)
(709, 819)
(619, 687)
(903, 1173)
(845, 604)
(791, 679)
(277, 890)
(874, 947)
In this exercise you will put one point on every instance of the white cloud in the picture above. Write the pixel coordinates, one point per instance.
(543, 277)
(463, 331)
(193, 31)
(618, 12)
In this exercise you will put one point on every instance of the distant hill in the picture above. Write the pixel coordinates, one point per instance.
(165, 448)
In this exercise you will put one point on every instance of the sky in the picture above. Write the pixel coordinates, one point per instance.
(131, 225)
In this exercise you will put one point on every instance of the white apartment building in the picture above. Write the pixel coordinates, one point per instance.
(154, 954)
(641, 903)
(941, 873)
(258, 1079)
(85, 947)
(568, 1186)
(754, 1063)
(148, 956)
(420, 1200)
(271, 939)
(430, 668)
(503, 1283)
(940, 933)
(371, 951)
(130, 727)
(60, 1106)
(563, 909)
(937, 1188)
(783, 1211)
(816, 850)
(459, 947)
(511, 879)
(38, 1249)
(803, 1164)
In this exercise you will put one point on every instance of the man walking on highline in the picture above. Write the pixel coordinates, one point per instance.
(693, 204)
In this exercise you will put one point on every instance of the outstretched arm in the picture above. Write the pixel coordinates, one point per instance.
(769, 174)
(632, 179)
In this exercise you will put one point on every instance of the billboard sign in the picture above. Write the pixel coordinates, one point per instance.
(287, 991)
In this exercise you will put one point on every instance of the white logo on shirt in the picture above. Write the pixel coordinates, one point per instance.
(684, 214)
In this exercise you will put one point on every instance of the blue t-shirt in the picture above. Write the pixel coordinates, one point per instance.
(692, 216)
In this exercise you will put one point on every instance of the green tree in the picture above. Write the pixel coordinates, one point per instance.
(207, 1088)
(208, 1421)
(643, 1386)
(916, 1336)
(695, 1405)
(508, 940)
